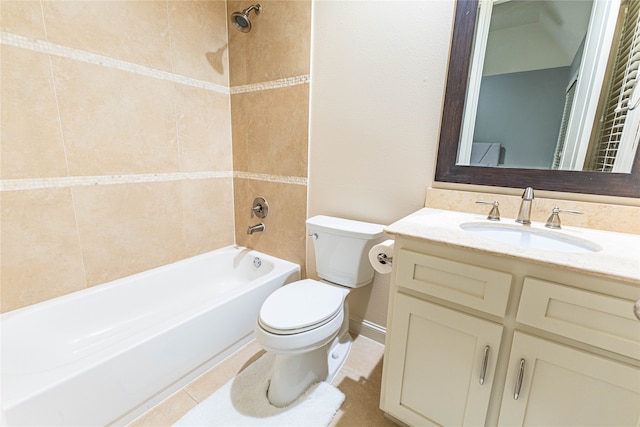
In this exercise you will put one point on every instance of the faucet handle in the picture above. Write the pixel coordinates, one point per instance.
(554, 220)
(260, 208)
(494, 215)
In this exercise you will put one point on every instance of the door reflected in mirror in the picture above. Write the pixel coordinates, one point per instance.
(552, 86)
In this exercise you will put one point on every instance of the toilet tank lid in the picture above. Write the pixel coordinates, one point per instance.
(346, 227)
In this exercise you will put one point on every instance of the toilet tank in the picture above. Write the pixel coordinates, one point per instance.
(342, 249)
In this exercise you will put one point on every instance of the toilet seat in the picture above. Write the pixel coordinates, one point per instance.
(301, 306)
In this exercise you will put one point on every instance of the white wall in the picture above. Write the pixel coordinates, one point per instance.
(377, 86)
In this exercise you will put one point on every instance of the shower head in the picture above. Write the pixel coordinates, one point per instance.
(241, 21)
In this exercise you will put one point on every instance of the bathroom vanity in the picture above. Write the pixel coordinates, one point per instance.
(539, 330)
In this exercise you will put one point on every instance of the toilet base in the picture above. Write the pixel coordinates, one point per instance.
(293, 374)
(338, 353)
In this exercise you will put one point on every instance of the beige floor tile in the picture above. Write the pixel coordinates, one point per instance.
(359, 379)
(168, 412)
(218, 376)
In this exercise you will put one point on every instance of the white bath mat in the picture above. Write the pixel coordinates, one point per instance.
(243, 402)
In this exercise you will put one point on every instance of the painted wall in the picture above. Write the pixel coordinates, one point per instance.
(376, 98)
(523, 112)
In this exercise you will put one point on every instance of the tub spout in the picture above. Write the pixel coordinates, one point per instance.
(255, 228)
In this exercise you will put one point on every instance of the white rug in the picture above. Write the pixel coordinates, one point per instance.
(243, 402)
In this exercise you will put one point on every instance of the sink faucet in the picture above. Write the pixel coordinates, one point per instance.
(524, 215)
(255, 228)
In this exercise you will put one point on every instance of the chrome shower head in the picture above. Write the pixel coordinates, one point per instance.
(240, 20)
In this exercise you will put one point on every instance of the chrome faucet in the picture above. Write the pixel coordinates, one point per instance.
(524, 215)
(255, 228)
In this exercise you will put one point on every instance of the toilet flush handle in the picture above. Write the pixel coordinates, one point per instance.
(314, 236)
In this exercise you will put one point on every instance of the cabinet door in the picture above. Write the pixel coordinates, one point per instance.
(562, 386)
(435, 361)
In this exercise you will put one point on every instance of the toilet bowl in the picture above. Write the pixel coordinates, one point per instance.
(306, 323)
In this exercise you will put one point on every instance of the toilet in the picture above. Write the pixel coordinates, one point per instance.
(306, 323)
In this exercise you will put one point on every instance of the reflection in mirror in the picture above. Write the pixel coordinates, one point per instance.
(595, 107)
(549, 86)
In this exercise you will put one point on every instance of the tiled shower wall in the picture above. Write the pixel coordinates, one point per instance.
(270, 108)
(117, 154)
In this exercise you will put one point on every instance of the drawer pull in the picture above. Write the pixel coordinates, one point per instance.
(516, 392)
(485, 362)
(636, 309)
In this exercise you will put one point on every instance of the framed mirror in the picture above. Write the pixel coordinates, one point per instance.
(459, 101)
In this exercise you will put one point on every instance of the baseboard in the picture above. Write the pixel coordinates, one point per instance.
(367, 329)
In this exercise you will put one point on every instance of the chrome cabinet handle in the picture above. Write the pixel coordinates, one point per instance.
(483, 372)
(636, 309)
(516, 392)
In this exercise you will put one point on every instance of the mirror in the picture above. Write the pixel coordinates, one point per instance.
(451, 165)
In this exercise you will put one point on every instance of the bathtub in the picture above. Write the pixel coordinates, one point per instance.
(107, 354)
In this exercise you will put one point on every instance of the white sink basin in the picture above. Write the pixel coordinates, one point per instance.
(533, 238)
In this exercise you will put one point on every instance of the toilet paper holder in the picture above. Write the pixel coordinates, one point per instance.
(385, 260)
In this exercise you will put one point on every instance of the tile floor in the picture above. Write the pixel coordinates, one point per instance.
(359, 379)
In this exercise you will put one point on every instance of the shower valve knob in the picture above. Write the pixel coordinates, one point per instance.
(260, 208)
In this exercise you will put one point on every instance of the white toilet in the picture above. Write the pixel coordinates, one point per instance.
(306, 323)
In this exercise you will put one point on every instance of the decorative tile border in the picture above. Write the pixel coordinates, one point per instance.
(274, 84)
(41, 46)
(83, 181)
(295, 180)
(46, 47)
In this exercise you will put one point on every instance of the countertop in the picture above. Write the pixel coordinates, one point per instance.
(619, 257)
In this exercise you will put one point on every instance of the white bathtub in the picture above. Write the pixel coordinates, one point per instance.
(107, 354)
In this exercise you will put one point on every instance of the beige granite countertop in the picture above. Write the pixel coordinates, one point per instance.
(619, 257)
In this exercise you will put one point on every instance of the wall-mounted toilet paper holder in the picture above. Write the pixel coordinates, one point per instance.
(381, 257)
(385, 260)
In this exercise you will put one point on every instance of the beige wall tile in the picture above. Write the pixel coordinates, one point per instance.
(204, 129)
(22, 17)
(270, 131)
(278, 45)
(285, 232)
(31, 140)
(41, 256)
(125, 229)
(115, 122)
(207, 207)
(199, 45)
(134, 31)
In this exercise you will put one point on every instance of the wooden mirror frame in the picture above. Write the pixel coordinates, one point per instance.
(604, 183)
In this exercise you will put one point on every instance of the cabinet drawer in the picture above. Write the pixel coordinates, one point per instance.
(600, 320)
(468, 285)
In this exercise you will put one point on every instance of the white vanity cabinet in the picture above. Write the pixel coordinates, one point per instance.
(565, 342)
(563, 386)
(444, 384)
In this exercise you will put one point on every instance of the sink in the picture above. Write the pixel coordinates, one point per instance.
(533, 238)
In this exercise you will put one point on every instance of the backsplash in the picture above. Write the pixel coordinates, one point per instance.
(601, 216)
